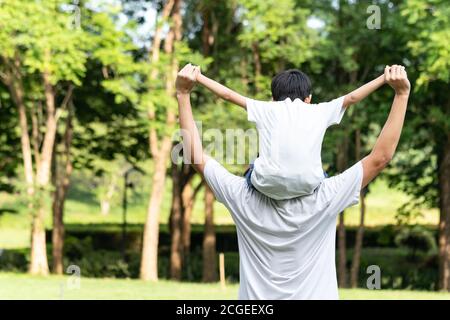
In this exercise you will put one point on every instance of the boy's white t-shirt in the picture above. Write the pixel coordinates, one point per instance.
(290, 142)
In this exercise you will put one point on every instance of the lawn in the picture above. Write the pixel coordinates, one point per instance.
(82, 208)
(21, 286)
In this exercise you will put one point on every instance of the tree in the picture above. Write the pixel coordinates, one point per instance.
(274, 32)
(424, 169)
(46, 53)
(43, 54)
(160, 147)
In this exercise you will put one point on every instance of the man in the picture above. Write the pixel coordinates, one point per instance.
(287, 247)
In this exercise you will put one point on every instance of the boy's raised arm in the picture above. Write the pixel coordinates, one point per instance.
(362, 92)
(222, 91)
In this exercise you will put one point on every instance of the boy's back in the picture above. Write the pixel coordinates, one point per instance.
(290, 141)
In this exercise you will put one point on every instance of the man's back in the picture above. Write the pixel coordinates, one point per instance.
(286, 247)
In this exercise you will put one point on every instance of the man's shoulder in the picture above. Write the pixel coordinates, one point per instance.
(222, 182)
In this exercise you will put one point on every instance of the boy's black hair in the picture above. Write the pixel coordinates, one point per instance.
(291, 84)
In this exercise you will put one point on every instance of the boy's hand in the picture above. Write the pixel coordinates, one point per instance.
(186, 79)
(397, 78)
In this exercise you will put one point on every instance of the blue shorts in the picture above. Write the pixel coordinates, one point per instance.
(248, 175)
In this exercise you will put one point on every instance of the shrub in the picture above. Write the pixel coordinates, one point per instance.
(415, 239)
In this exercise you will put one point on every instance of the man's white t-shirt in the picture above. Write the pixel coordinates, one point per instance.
(290, 142)
(286, 247)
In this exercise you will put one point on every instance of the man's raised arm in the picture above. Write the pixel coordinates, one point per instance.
(387, 141)
(192, 144)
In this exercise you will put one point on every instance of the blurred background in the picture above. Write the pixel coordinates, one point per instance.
(90, 199)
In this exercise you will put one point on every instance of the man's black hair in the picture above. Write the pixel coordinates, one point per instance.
(291, 84)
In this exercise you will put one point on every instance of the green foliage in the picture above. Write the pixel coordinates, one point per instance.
(431, 21)
(96, 263)
(9, 143)
(428, 120)
(14, 261)
(278, 28)
(416, 238)
(43, 33)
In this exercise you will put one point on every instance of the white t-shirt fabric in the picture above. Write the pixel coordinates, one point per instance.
(290, 142)
(286, 247)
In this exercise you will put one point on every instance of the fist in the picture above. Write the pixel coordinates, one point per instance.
(186, 78)
(397, 78)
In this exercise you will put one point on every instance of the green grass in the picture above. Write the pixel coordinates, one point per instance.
(20, 286)
(82, 208)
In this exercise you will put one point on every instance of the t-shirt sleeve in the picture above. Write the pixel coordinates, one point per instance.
(257, 111)
(223, 183)
(342, 191)
(334, 110)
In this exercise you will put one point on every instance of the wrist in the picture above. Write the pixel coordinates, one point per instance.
(200, 78)
(402, 94)
(183, 93)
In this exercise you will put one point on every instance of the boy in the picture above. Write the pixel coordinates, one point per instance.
(291, 130)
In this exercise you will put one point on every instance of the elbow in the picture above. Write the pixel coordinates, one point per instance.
(349, 100)
(382, 160)
(226, 96)
(352, 99)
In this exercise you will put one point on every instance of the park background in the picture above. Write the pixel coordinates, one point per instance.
(87, 116)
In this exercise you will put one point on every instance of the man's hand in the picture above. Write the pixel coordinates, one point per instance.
(186, 79)
(397, 78)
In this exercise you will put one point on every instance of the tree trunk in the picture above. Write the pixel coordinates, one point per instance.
(342, 264)
(157, 37)
(354, 272)
(38, 263)
(444, 221)
(149, 261)
(188, 198)
(342, 161)
(16, 89)
(62, 182)
(183, 198)
(175, 222)
(209, 239)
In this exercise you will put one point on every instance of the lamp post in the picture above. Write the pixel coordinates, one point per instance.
(127, 184)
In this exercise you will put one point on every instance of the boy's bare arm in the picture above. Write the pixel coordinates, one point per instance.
(363, 91)
(222, 91)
